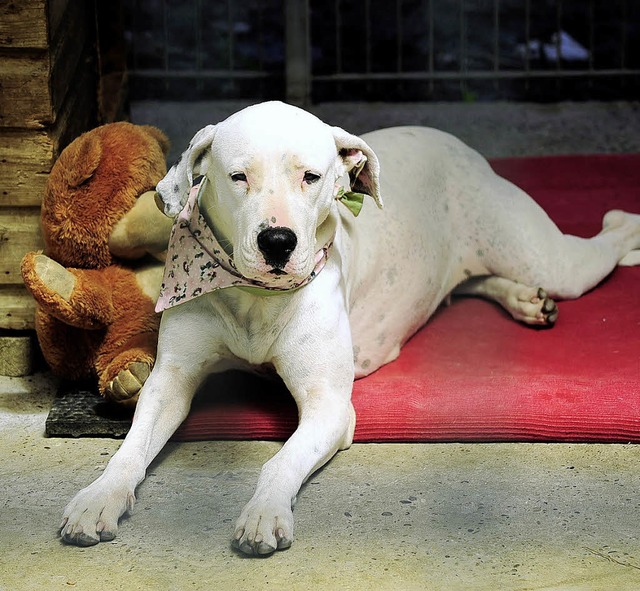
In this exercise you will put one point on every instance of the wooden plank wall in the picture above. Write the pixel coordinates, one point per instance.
(48, 96)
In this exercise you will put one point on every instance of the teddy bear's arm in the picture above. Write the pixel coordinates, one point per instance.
(143, 229)
(79, 297)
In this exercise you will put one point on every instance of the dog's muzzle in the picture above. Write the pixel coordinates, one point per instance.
(277, 244)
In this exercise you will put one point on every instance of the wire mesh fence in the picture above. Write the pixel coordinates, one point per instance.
(314, 50)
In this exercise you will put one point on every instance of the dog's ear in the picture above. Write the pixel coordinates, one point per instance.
(173, 189)
(360, 162)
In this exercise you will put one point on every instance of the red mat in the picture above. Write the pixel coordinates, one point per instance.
(474, 374)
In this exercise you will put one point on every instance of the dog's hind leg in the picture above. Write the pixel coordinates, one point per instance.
(92, 515)
(520, 242)
(575, 265)
(530, 305)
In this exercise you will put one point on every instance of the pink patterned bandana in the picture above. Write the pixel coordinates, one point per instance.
(196, 263)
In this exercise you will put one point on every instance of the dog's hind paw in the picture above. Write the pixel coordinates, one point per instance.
(263, 529)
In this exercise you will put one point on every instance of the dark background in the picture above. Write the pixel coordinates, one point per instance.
(181, 50)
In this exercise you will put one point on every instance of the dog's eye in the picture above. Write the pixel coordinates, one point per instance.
(311, 177)
(238, 177)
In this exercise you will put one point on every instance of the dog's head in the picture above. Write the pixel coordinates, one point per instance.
(272, 171)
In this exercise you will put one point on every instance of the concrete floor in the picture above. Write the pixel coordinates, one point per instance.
(404, 517)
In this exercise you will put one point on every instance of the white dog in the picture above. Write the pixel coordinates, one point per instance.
(288, 278)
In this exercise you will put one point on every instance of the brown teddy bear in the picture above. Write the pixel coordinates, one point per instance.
(96, 283)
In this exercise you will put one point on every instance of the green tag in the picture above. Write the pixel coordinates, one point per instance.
(353, 201)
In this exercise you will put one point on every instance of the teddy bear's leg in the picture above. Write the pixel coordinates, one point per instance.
(68, 351)
(128, 349)
(78, 297)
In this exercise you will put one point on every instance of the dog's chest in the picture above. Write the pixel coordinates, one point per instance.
(251, 325)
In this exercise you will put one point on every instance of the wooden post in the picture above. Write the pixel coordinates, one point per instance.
(298, 54)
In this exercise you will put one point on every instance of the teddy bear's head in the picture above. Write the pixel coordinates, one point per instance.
(93, 184)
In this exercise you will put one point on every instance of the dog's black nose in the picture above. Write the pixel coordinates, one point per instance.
(276, 245)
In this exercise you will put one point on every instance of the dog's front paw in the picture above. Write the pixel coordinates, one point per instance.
(263, 528)
(92, 515)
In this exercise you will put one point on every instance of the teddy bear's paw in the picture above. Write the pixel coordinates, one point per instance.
(127, 384)
(47, 279)
(76, 298)
(54, 276)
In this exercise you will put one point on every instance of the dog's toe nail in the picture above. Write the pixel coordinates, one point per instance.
(284, 543)
(265, 549)
(107, 536)
(77, 537)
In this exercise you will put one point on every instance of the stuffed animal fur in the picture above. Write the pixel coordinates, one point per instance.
(96, 283)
